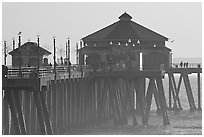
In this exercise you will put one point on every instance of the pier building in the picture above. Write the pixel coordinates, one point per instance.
(125, 44)
(29, 55)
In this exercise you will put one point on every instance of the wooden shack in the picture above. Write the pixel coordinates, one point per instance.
(125, 44)
(29, 55)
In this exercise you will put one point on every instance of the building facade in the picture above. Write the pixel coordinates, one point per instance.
(28, 54)
(125, 44)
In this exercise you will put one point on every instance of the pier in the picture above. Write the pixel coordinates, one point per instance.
(107, 83)
(66, 103)
(174, 88)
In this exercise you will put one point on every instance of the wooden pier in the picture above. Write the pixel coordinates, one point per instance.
(56, 106)
(174, 88)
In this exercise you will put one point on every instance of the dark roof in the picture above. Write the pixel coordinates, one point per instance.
(32, 46)
(125, 29)
(125, 16)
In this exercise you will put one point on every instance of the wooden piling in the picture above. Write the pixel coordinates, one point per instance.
(176, 90)
(53, 116)
(40, 112)
(170, 90)
(141, 99)
(199, 98)
(5, 115)
(68, 101)
(189, 92)
(49, 130)
(156, 98)
(131, 101)
(15, 121)
(16, 97)
(172, 84)
(148, 99)
(162, 101)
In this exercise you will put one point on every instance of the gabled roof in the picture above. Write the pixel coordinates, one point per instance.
(125, 29)
(31, 46)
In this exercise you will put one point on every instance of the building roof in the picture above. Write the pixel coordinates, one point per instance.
(125, 16)
(32, 47)
(125, 29)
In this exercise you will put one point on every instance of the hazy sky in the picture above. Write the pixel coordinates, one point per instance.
(181, 22)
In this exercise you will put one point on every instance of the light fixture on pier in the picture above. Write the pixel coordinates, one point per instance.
(38, 42)
(54, 58)
(19, 55)
(111, 43)
(133, 45)
(126, 44)
(138, 41)
(154, 46)
(129, 40)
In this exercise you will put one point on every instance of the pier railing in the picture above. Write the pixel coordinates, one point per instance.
(190, 65)
(76, 69)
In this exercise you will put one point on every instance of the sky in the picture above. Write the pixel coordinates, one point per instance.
(179, 21)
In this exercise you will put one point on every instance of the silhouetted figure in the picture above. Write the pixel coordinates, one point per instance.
(186, 64)
(61, 60)
(181, 64)
(4, 71)
(69, 69)
(50, 64)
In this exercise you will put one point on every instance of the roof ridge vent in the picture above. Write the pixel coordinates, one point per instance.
(125, 17)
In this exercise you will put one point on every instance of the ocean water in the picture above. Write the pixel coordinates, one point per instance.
(181, 123)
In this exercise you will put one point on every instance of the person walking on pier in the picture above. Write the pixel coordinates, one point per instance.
(4, 71)
(181, 64)
(186, 64)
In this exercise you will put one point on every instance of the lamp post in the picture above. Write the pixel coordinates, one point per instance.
(81, 58)
(5, 53)
(66, 53)
(77, 58)
(54, 58)
(13, 43)
(68, 61)
(38, 42)
(19, 54)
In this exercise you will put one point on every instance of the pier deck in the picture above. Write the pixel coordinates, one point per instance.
(185, 70)
(98, 96)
